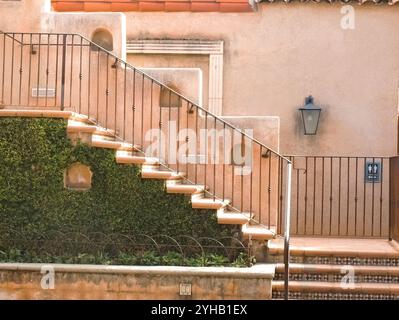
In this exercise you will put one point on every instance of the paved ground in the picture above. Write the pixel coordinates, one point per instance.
(344, 246)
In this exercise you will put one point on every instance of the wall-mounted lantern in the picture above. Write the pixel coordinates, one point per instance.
(310, 116)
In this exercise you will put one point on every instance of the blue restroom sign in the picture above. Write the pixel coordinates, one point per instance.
(373, 172)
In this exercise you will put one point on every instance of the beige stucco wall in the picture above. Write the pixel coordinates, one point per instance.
(21, 16)
(275, 57)
(187, 81)
(36, 16)
(176, 61)
(24, 281)
(86, 24)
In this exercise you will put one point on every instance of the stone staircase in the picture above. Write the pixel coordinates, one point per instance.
(320, 274)
(82, 128)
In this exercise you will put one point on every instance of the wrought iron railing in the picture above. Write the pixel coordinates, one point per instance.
(340, 196)
(18, 246)
(69, 72)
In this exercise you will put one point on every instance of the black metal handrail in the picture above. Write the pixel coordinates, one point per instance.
(70, 72)
(335, 196)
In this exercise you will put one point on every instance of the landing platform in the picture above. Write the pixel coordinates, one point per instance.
(353, 247)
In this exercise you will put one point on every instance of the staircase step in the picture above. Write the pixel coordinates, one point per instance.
(152, 173)
(208, 203)
(257, 232)
(77, 126)
(81, 118)
(233, 217)
(331, 287)
(129, 147)
(98, 141)
(184, 188)
(341, 249)
(125, 157)
(104, 133)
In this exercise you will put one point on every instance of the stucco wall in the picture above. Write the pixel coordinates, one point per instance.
(21, 16)
(36, 16)
(277, 56)
(24, 281)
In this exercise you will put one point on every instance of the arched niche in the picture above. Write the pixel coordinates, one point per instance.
(78, 176)
(103, 38)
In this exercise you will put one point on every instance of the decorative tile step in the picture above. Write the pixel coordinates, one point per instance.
(331, 287)
(35, 113)
(334, 260)
(300, 268)
(328, 277)
(232, 217)
(333, 296)
(208, 203)
(184, 188)
(257, 232)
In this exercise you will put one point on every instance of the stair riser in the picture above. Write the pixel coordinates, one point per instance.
(232, 221)
(333, 296)
(106, 144)
(210, 206)
(338, 278)
(159, 175)
(76, 129)
(354, 261)
(182, 191)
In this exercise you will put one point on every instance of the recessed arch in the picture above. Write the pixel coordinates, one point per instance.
(78, 176)
(103, 38)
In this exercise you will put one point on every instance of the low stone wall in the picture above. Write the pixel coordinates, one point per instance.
(63, 281)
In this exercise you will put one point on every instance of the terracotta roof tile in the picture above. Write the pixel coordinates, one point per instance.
(204, 6)
(97, 6)
(380, 2)
(68, 6)
(152, 5)
(131, 6)
(234, 7)
(177, 6)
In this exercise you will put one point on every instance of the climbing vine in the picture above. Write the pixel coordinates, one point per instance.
(34, 153)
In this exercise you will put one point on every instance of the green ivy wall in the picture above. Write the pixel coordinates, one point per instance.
(34, 153)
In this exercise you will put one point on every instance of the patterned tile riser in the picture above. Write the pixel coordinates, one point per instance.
(354, 261)
(334, 296)
(338, 278)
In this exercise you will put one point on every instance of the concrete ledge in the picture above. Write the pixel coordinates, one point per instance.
(264, 271)
(71, 281)
(35, 113)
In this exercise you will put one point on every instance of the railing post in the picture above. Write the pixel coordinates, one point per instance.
(391, 204)
(287, 230)
(64, 37)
